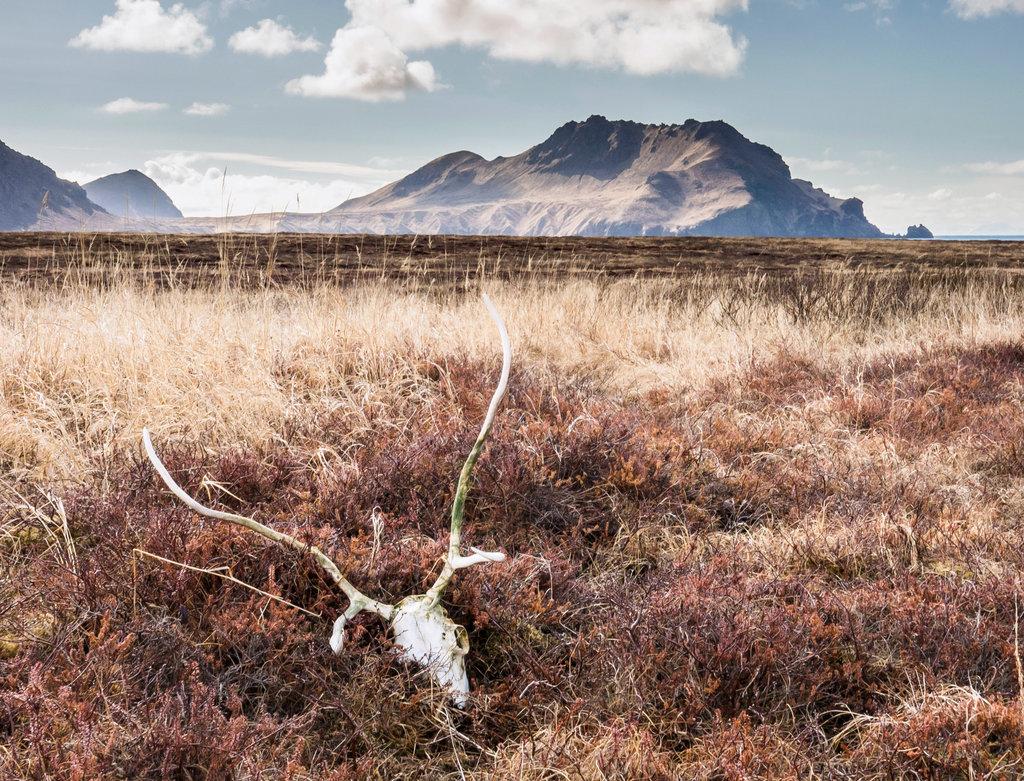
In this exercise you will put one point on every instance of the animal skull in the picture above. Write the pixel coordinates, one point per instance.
(420, 626)
(428, 637)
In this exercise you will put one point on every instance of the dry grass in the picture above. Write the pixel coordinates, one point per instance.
(84, 368)
(759, 526)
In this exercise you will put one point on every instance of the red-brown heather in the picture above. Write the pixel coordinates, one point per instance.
(761, 524)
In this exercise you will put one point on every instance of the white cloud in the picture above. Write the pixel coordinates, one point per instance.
(227, 7)
(1014, 168)
(373, 173)
(270, 39)
(989, 203)
(131, 106)
(825, 165)
(145, 26)
(207, 109)
(881, 9)
(968, 210)
(368, 57)
(972, 9)
(365, 64)
(202, 184)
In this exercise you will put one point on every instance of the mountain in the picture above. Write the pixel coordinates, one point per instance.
(134, 195)
(610, 178)
(592, 178)
(33, 197)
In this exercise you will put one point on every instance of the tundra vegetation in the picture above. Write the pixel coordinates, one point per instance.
(758, 525)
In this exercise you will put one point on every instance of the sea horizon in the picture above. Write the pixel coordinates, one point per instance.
(980, 237)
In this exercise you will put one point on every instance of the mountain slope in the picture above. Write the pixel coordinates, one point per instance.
(132, 194)
(603, 178)
(33, 197)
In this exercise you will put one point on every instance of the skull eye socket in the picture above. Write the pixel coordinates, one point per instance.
(462, 640)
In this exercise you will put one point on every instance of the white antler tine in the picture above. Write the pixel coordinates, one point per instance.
(478, 557)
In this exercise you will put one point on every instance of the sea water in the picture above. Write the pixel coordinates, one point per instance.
(979, 238)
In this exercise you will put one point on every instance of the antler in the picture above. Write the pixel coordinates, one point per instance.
(359, 601)
(422, 629)
(455, 561)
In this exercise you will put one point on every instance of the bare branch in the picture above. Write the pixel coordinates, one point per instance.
(356, 597)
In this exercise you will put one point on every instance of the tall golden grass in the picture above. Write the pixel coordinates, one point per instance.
(85, 366)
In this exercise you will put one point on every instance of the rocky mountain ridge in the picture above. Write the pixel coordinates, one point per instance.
(591, 178)
(612, 178)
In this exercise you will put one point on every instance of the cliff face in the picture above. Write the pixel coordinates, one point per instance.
(33, 197)
(132, 194)
(604, 178)
(919, 232)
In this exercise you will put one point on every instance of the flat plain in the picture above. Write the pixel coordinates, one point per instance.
(450, 260)
(762, 500)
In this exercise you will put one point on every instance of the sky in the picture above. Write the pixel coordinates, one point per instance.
(241, 106)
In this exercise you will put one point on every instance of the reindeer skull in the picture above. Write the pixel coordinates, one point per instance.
(428, 637)
(421, 628)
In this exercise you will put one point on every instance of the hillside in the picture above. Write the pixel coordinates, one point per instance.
(132, 194)
(32, 196)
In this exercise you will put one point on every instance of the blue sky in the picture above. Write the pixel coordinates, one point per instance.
(913, 105)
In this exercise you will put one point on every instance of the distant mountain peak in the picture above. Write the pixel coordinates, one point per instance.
(132, 194)
(612, 177)
(597, 147)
